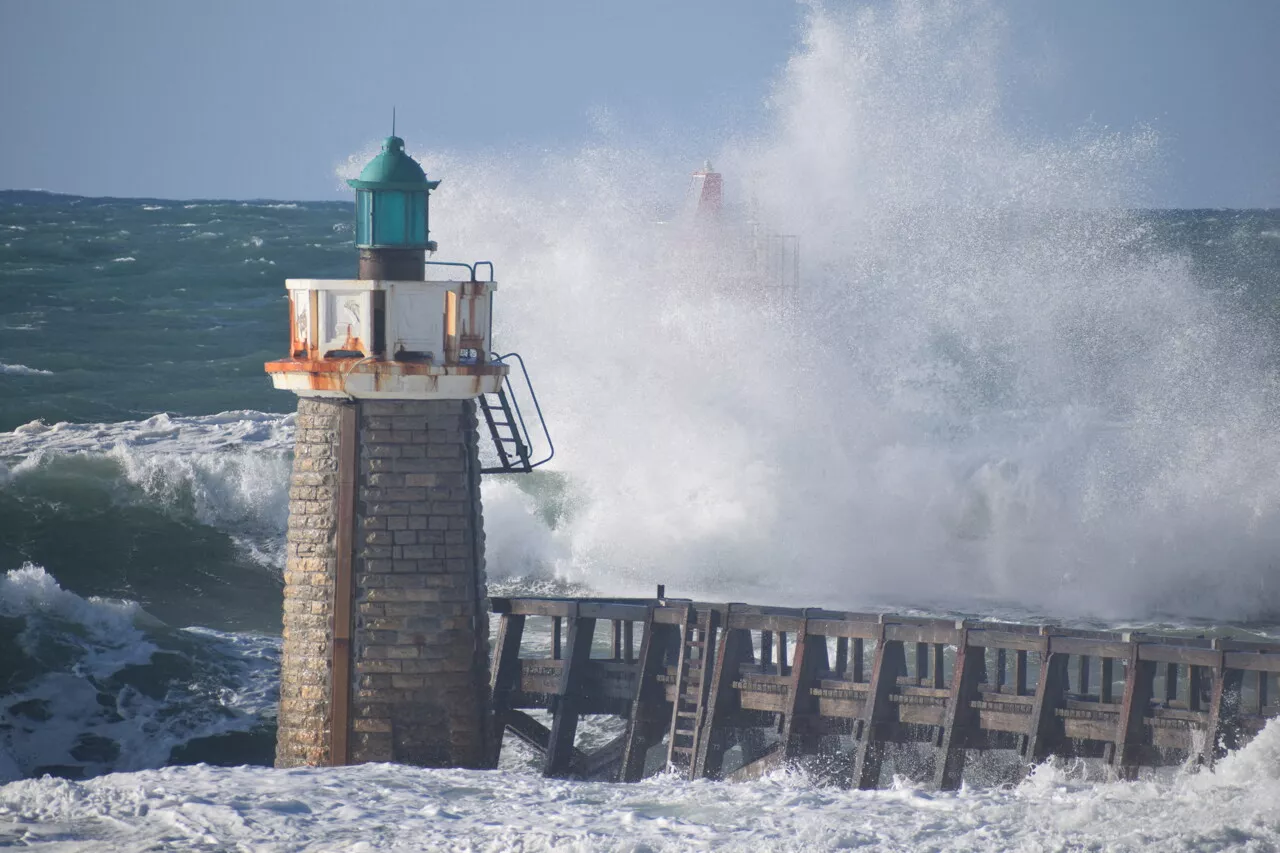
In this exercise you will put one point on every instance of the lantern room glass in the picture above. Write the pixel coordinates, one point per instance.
(364, 220)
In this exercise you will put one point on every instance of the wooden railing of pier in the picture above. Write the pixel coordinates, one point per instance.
(699, 683)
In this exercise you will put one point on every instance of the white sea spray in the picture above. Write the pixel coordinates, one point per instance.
(22, 369)
(993, 390)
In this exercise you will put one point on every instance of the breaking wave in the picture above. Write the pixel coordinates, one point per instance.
(97, 685)
(996, 386)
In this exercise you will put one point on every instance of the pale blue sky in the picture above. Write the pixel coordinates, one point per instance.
(262, 98)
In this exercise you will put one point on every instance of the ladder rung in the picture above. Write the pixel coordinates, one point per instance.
(686, 713)
(686, 750)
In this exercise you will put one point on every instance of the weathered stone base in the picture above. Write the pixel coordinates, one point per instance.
(420, 635)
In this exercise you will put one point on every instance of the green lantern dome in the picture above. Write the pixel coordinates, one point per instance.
(392, 169)
(391, 201)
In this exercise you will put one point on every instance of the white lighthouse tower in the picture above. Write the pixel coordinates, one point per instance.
(385, 618)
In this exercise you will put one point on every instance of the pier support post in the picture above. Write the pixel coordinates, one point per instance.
(734, 650)
(1139, 685)
(1045, 729)
(890, 663)
(649, 709)
(1223, 706)
(810, 657)
(506, 677)
(958, 717)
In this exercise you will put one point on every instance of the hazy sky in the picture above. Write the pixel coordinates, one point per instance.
(263, 98)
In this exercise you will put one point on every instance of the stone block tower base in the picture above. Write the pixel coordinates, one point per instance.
(386, 652)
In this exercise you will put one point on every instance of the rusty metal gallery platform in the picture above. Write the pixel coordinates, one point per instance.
(732, 690)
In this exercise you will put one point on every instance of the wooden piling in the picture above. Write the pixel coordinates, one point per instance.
(890, 664)
(959, 716)
(564, 725)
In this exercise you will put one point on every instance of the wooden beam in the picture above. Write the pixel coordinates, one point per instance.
(1139, 684)
(505, 678)
(958, 718)
(1106, 678)
(599, 761)
(890, 663)
(1082, 675)
(1045, 729)
(343, 588)
(757, 767)
(1195, 687)
(564, 725)
(533, 733)
(1223, 708)
(647, 721)
(1171, 683)
(811, 656)
(722, 702)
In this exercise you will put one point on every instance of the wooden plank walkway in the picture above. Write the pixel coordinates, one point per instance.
(734, 690)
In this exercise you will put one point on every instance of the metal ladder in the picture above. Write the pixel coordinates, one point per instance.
(502, 415)
(513, 453)
(691, 682)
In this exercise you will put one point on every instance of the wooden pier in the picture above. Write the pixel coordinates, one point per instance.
(733, 690)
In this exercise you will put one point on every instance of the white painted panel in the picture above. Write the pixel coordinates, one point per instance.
(415, 320)
(300, 304)
(345, 318)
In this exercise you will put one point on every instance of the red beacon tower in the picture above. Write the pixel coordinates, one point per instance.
(706, 193)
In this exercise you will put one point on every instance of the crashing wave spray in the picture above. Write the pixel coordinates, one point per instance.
(994, 391)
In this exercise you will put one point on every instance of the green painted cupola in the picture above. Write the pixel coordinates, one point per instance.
(391, 201)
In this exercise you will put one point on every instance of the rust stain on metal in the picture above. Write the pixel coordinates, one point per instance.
(352, 343)
(297, 346)
(353, 365)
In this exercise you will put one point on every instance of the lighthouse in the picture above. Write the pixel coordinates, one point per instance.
(385, 620)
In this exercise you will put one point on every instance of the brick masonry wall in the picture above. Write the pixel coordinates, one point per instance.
(420, 648)
(422, 638)
(310, 565)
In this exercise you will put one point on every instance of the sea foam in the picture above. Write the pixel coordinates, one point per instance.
(378, 806)
(96, 684)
